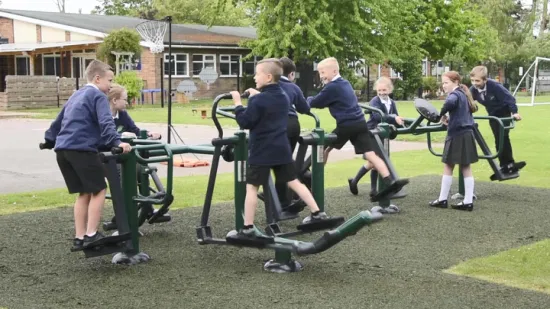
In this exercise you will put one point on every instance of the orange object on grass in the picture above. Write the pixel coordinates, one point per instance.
(188, 163)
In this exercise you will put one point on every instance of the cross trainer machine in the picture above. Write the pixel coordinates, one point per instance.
(428, 111)
(283, 247)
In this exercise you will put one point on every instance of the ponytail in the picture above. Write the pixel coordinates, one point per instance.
(471, 103)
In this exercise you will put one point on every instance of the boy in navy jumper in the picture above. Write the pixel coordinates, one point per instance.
(298, 104)
(339, 97)
(83, 125)
(460, 144)
(383, 87)
(499, 102)
(118, 99)
(266, 116)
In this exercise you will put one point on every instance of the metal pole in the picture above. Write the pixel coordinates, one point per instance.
(162, 82)
(169, 19)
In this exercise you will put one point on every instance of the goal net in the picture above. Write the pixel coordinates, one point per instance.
(534, 86)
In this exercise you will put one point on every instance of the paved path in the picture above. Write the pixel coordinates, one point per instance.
(23, 167)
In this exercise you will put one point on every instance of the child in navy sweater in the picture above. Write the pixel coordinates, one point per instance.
(298, 104)
(339, 97)
(83, 125)
(383, 87)
(499, 102)
(266, 116)
(118, 99)
(460, 145)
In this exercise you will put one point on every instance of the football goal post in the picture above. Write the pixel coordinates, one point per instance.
(534, 86)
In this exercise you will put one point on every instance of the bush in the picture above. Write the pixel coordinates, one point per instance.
(122, 40)
(360, 84)
(429, 84)
(132, 82)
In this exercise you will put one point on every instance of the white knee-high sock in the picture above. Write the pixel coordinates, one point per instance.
(468, 190)
(446, 182)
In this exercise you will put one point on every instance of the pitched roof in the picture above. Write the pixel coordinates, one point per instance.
(181, 33)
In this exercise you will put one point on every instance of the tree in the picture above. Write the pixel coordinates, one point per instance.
(202, 12)
(122, 40)
(60, 5)
(136, 8)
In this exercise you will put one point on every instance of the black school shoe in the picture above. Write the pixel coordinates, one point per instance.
(78, 244)
(353, 187)
(91, 239)
(391, 188)
(462, 206)
(439, 204)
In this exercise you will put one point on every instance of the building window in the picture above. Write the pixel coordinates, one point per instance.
(22, 65)
(250, 65)
(230, 65)
(394, 74)
(203, 61)
(51, 65)
(180, 67)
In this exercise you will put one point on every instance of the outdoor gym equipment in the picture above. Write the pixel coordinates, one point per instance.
(428, 111)
(126, 242)
(159, 196)
(386, 132)
(380, 134)
(284, 248)
(273, 208)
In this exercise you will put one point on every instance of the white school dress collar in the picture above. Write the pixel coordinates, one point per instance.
(336, 77)
(284, 78)
(116, 115)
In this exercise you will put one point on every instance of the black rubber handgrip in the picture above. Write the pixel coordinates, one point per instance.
(46, 145)
(117, 150)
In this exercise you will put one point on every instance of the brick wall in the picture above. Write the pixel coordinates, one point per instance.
(38, 33)
(36, 91)
(6, 28)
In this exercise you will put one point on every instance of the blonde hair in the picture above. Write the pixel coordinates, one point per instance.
(479, 71)
(330, 62)
(383, 80)
(274, 67)
(456, 78)
(115, 92)
(96, 68)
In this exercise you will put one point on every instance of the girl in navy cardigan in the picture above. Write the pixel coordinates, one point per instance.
(383, 87)
(460, 144)
(118, 99)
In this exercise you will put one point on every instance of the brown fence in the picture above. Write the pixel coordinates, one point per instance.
(24, 92)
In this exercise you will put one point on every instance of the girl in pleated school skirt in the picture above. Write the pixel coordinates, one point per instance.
(460, 144)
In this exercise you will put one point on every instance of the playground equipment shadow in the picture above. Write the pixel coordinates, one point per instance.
(396, 263)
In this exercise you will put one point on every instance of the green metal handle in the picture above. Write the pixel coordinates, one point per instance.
(501, 130)
(316, 118)
(372, 109)
(168, 158)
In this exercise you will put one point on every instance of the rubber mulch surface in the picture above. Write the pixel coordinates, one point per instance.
(396, 263)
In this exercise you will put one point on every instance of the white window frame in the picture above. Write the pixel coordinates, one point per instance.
(239, 63)
(53, 55)
(176, 61)
(255, 61)
(83, 56)
(203, 62)
(28, 65)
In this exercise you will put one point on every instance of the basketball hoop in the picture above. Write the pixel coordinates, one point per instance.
(152, 32)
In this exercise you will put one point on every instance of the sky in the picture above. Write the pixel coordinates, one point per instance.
(72, 6)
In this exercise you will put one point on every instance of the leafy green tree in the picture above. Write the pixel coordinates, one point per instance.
(203, 12)
(122, 40)
(136, 8)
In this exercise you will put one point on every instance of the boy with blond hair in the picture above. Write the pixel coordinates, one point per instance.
(339, 97)
(84, 124)
(498, 102)
(266, 116)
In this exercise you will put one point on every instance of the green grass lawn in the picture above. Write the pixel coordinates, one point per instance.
(526, 267)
